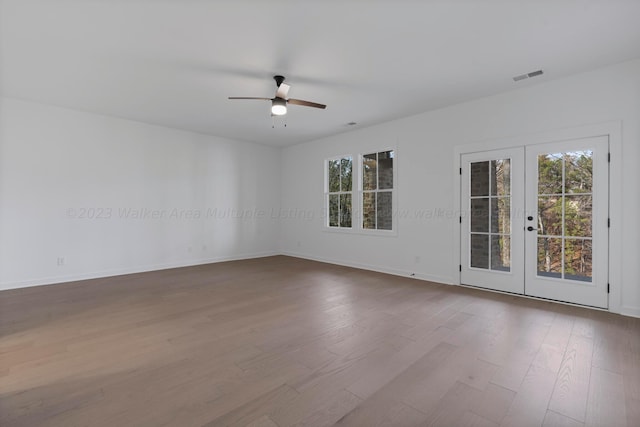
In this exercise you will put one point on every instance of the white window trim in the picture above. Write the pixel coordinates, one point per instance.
(357, 216)
(353, 192)
(394, 198)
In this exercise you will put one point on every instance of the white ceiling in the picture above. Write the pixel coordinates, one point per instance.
(174, 63)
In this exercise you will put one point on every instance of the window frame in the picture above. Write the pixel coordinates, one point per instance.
(357, 195)
(328, 193)
(392, 190)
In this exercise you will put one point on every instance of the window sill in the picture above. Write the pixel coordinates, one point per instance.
(362, 232)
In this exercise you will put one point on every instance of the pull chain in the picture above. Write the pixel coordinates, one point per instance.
(273, 121)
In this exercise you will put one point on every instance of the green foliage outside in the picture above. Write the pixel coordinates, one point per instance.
(340, 181)
(565, 183)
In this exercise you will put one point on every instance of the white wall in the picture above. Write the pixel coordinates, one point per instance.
(57, 164)
(60, 169)
(426, 145)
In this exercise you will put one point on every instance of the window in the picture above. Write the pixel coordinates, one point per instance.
(377, 191)
(339, 192)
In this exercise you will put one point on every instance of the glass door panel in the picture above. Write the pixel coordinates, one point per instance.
(567, 200)
(489, 192)
(491, 214)
(564, 217)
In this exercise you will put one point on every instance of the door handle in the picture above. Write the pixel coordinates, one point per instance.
(530, 228)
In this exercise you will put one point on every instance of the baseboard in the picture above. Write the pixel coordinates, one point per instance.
(378, 269)
(625, 311)
(630, 311)
(53, 280)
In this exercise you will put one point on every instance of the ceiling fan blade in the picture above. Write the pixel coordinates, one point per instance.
(283, 90)
(249, 97)
(306, 103)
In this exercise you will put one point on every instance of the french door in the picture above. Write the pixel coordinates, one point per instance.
(492, 230)
(536, 220)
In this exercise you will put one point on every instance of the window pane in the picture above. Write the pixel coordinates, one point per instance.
(369, 167)
(578, 172)
(480, 251)
(345, 210)
(369, 210)
(334, 210)
(550, 257)
(501, 215)
(385, 210)
(550, 215)
(577, 216)
(345, 173)
(550, 173)
(577, 259)
(500, 253)
(385, 170)
(480, 215)
(334, 175)
(501, 177)
(479, 179)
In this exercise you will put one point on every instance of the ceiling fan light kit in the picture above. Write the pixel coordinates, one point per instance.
(280, 101)
(278, 107)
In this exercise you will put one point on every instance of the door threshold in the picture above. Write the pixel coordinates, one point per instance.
(572, 304)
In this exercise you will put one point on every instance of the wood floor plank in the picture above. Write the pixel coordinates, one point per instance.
(572, 385)
(553, 419)
(606, 405)
(471, 419)
(257, 410)
(281, 341)
(530, 405)
(342, 403)
(477, 373)
(494, 403)
(263, 421)
(369, 384)
(511, 374)
(412, 382)
(386, 412)
(459, 396)
(631, 378)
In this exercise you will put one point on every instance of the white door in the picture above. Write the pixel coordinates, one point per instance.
(492, 230)
(535, 220)
(567, 237)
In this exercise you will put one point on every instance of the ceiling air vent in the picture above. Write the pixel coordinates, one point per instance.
(528, 75)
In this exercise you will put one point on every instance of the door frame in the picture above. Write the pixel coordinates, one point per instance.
(611, 129)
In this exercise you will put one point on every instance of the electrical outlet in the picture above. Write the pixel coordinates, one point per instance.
(60, 261)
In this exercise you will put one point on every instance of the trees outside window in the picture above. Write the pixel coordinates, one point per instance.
(377, 191)
(339, 194)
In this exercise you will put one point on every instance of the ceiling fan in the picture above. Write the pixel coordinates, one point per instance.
(280, 101)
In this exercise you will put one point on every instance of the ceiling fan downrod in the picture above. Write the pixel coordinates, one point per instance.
(279, 80)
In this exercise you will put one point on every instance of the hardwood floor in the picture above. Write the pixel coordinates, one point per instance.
(282, 341)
